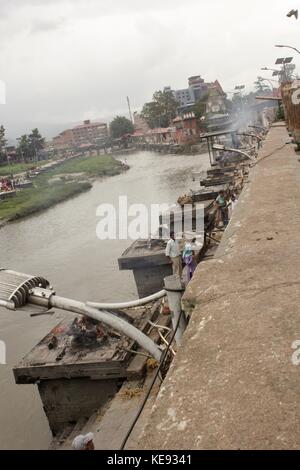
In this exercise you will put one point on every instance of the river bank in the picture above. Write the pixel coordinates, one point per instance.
(16, 168)
(64, 182)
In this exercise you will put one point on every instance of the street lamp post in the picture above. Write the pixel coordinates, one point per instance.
(289, 47)
(284, 61)
(271, 70)
(281, 73)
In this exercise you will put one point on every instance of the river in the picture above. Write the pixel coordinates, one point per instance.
(61, 245)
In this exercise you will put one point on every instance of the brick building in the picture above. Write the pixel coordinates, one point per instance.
(86, 133)
(188, 128)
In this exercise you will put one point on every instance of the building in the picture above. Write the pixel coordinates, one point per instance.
(140, 124)
(188, 128)
(160, 135)
(184, 97)
(217, 117)
(216, 102)
(64, 140)
(197, 89)
(84, 134)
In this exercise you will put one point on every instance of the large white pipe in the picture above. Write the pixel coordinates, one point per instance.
(175, 291)
(8, 304)
(130, 304)
(109, 319)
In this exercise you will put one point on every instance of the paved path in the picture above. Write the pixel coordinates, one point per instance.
(233, 384)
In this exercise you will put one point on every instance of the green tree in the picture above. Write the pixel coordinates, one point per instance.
(24, 150)
(151, 114)
(3, 142)
(161, 110)
(120, 126)
(261, 86)
(287, 73)
(36, 143)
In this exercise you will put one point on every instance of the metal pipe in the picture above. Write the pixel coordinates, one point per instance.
(108, 318)
(175, 290)
(133, 303)
(227, 149)
(260, 139)
(241, 152)
(7, 304)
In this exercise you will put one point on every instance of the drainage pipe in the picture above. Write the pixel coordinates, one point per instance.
(175, 291)
(130, 304)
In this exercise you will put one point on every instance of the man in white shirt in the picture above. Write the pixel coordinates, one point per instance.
(173, 253)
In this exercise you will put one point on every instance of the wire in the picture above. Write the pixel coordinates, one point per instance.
(48, 311)
(160, 327)
(151, 386)
(212, 238)
(135, 352)
(269, 155)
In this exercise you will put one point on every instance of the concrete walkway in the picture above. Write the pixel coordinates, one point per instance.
(233, 384)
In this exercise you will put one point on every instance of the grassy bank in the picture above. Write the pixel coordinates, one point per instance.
(96, 166)
(47, 193)
(32, 200)
(16, 168)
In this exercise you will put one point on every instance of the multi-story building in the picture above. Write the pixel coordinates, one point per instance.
(86, 133)
(64, 140)
(184, 97)
(197, 88)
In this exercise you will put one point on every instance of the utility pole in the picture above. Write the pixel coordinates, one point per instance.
(129, 109)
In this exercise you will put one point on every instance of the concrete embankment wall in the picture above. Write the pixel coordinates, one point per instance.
(233, 384)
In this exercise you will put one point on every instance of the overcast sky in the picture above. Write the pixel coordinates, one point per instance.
(68, 60)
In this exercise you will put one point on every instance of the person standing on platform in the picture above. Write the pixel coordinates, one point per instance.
(173, 253)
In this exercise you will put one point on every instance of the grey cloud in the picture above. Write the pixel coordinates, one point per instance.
(88, 8)
(40, 26)
(83, 57)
